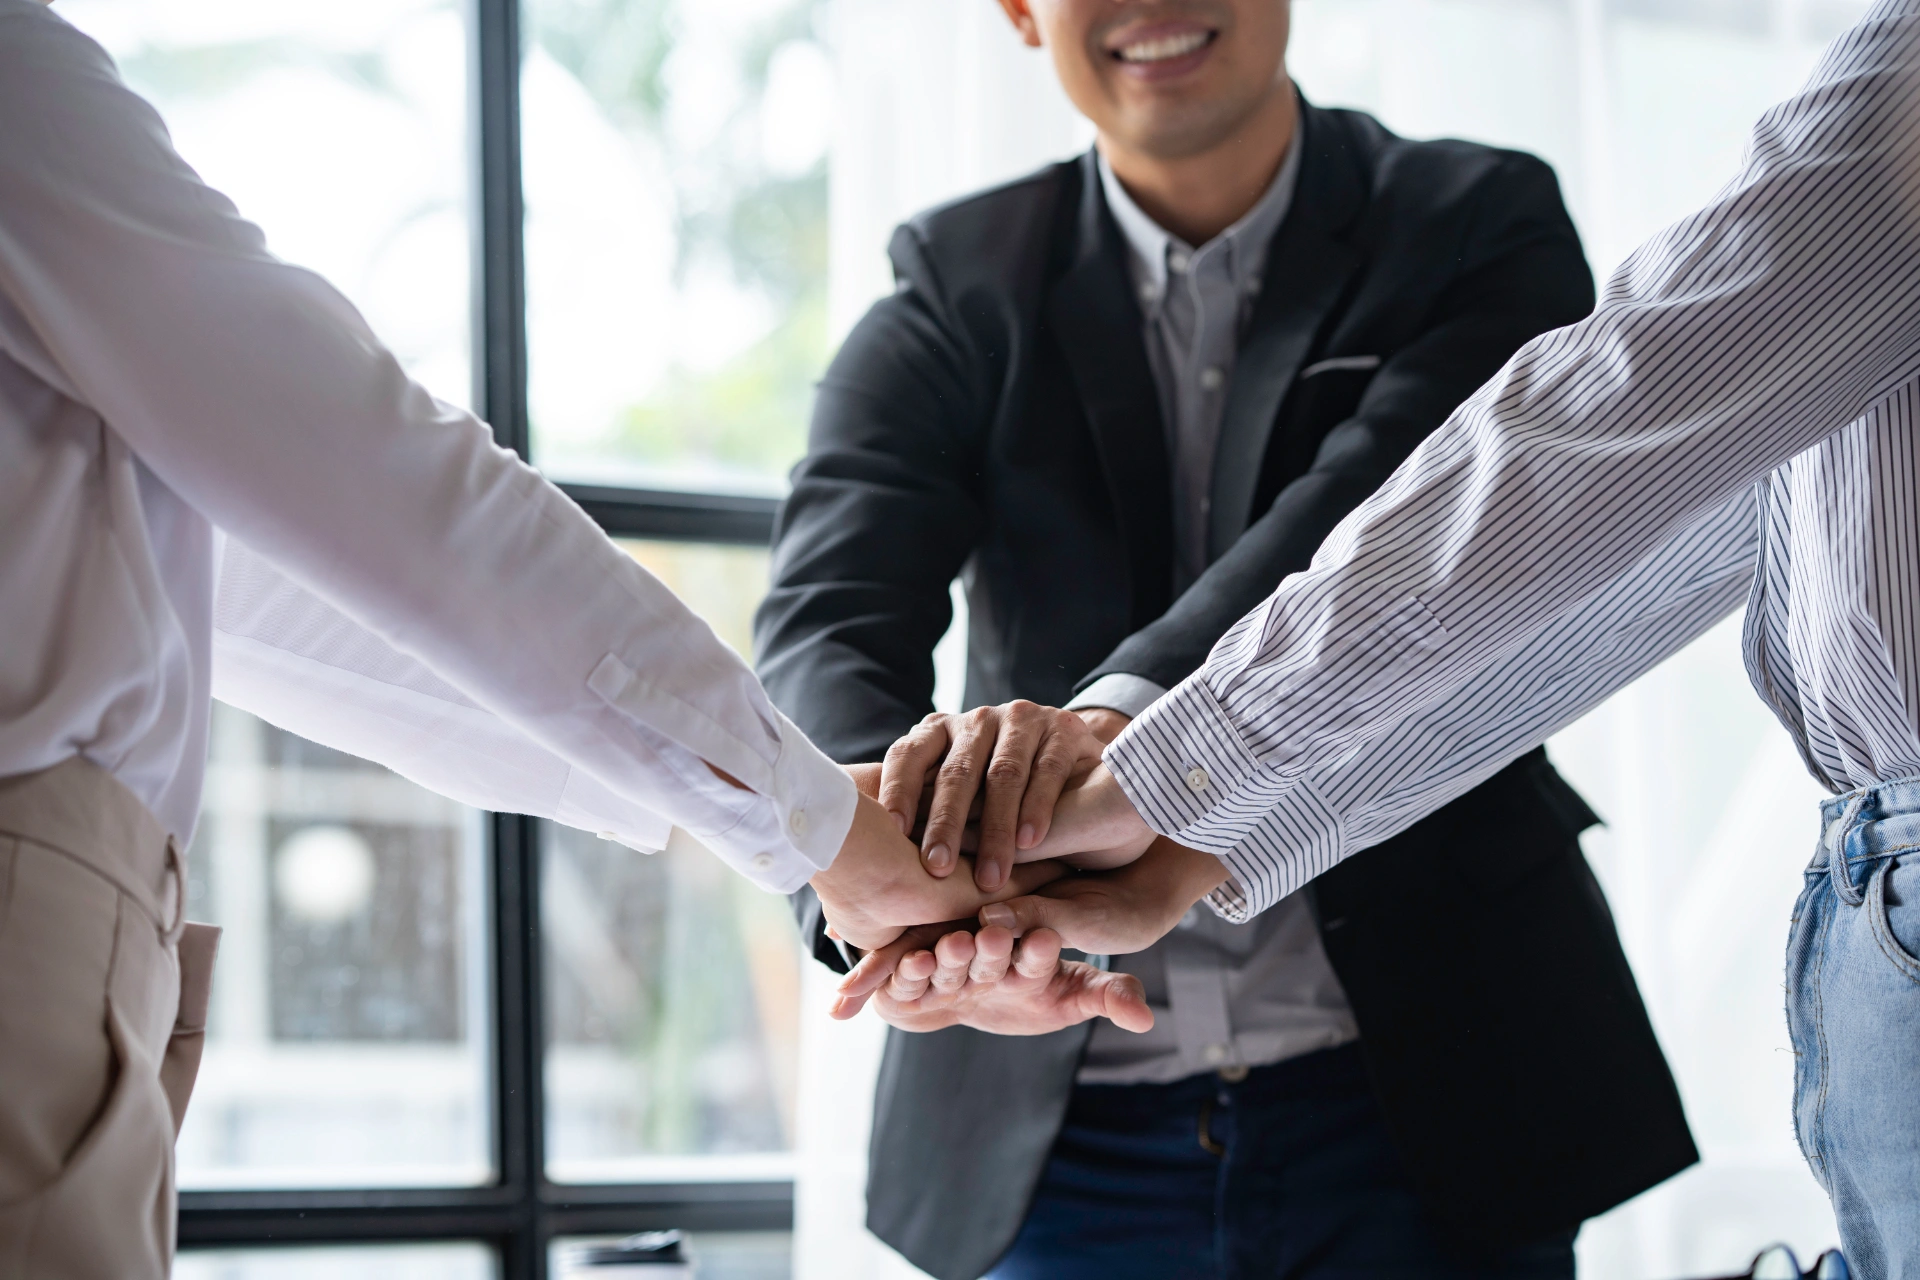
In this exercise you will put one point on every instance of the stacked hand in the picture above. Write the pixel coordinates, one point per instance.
(1059, 858)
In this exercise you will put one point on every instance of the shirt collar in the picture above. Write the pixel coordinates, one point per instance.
(1148, 243)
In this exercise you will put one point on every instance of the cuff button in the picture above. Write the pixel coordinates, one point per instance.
(1197, 778)
(762, 862)
(797, 822)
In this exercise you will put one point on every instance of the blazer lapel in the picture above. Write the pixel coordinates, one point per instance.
(1092, 312)
(1308, 264)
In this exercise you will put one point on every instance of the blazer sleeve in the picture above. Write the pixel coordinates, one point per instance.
(884, 511)
(1524, 273)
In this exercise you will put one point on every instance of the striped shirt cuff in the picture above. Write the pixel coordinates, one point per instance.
(1299, 837)
(1191, 776)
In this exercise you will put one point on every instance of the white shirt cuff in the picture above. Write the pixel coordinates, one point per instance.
(781, 834)
(1130, 695)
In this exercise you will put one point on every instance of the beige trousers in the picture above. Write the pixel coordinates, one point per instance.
(103, 1007)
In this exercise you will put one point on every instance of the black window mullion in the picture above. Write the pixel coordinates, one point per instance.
(499, 294)
(519, 1090)
(740, 519)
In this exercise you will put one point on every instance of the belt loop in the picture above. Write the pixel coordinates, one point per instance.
(1837, 850)
(177, 863)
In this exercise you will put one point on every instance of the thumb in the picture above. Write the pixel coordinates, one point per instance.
(1024, 915)
(1123, 1000)
(871, 974)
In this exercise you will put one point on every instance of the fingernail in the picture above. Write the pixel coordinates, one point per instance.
(999, 913)
(939, 857)
(1027, 836)
(990, 876)
(899, 820)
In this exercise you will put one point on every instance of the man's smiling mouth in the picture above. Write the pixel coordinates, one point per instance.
(1164, 48)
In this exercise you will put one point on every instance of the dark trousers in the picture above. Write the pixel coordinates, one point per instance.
(1286, 1173)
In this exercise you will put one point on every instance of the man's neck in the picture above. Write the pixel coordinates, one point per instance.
(1197, 197)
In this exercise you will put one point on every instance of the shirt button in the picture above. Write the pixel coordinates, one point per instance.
(763, 862)
(797, 822)
(1215, 1054)
(1148, 293)
(1212, 377)
(1178, 261)
(1197, 778)
(1234, 1072)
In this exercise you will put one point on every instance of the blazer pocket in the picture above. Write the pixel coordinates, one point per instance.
(1341, 364)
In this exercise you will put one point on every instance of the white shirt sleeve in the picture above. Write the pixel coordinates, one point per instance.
(258, 394)
(1723, 347)
(289, 657)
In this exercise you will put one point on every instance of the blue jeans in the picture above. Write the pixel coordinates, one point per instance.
(1287, 1173)
(1853, 1009)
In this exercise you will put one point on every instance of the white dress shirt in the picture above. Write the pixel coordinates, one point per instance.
(395, 585)
(1746, 392)
(1225, 996)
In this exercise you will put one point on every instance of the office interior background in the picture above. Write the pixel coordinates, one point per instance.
(447, 1044)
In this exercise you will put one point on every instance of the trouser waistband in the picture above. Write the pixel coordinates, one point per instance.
(1862, 829)
(78, 809)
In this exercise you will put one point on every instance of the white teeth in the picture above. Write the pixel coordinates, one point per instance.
(1165, 47)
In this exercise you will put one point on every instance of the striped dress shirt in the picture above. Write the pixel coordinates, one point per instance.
(1735, 420)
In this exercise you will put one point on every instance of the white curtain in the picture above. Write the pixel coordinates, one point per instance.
(1642, 106)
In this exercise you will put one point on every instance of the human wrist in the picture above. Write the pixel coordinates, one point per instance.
(1191, 874)
(1105, 723)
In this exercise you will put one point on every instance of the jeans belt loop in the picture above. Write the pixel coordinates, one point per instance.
(1837, 850)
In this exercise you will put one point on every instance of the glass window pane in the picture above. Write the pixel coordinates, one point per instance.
(672, 984)
(340, 128)
(383, 1262)
(714, 1255)
(347, 1041)
(676, 236)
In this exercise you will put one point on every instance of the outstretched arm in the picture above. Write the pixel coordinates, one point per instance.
(1723, 347)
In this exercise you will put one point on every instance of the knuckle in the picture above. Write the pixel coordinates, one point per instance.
(957, 768)
(1007, 769)
(1052, 764)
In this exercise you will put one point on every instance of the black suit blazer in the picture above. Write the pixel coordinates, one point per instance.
(996, 419)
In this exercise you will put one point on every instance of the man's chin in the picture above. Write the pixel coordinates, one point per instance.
(1176, 127)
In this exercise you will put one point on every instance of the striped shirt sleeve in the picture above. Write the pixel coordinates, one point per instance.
(1726, 345)
(1513, 705)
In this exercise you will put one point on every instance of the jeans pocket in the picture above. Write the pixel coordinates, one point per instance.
(1893, 906)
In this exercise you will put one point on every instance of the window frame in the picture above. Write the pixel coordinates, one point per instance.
(522, 1211)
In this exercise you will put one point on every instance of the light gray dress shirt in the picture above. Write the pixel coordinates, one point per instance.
(1225, 996)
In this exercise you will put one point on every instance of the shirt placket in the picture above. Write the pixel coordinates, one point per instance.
(1197, 997)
